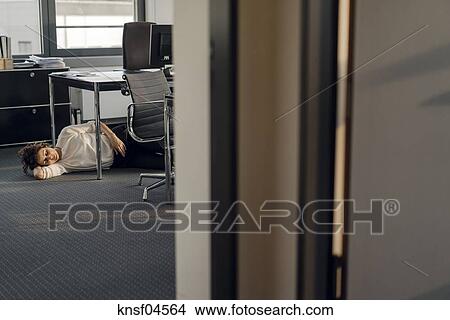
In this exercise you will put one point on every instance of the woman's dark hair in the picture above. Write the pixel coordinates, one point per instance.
(28, 155)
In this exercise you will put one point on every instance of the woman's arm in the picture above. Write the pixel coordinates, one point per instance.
(116, 143)
(89, 127)
(47, 172)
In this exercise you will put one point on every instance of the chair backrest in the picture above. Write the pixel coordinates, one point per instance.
(147, 85)
(136, 45)
(148, 90)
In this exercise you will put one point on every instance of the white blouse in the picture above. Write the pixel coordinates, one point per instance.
(77, 144)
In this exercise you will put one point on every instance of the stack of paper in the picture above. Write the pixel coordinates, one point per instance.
(51, 62)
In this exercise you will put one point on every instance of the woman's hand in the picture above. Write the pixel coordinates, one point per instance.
(38, 173)
(118, 145)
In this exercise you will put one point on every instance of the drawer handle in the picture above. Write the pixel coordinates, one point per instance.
(32, 74)
(33, 111)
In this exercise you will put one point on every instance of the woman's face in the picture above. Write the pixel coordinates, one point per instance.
(47, 156)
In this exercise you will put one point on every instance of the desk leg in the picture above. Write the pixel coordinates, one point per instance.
(51, 89)
(98, 140)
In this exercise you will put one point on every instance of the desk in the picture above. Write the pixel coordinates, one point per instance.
(95, 81)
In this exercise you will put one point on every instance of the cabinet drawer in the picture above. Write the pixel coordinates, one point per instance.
(31, 124)
(25, 88)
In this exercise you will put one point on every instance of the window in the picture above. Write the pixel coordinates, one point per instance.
(91, 23)
(67, 27)
(20, 20)
(90, 27)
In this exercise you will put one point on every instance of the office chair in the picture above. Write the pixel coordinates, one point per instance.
(149, 121)
(136, 45)
(136, 38)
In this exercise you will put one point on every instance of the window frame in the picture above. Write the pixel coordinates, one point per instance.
(49, 40)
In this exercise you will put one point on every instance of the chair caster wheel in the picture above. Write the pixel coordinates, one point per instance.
(145, 195)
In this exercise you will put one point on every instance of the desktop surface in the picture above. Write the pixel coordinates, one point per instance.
(107, 80)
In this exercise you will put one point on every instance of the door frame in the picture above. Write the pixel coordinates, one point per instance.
(223, 77)
(318, 76)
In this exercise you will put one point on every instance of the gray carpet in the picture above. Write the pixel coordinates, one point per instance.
(36, 263)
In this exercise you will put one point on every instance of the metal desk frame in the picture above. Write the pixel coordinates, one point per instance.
(107, 81)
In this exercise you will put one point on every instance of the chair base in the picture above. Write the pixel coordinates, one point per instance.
(152, 186)
(155, 185)
(151, 176)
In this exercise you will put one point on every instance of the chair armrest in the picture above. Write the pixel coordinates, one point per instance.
(130, 116)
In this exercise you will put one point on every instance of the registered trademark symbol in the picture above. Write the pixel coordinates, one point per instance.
(392, 207)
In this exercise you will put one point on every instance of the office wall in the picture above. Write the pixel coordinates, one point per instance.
(401, 148)
(192, 121)
(268, 150)
(160, 11)
(112, 104)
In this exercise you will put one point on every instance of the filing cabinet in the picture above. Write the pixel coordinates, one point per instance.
(24, 106)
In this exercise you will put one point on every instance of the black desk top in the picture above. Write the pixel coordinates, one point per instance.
(107, 81)
(34, 69)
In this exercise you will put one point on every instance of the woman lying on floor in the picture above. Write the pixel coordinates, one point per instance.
(75, 151)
